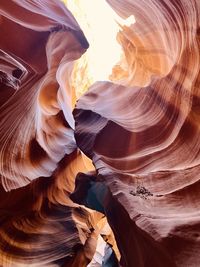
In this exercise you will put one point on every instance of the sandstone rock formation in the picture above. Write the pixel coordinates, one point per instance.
(39, 225)
(126, 154)
(142, 134)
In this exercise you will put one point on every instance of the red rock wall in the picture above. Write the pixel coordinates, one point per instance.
(141, 131)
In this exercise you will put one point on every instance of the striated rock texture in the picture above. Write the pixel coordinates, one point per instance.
(39, 224)
(141, 131)
(41, 41)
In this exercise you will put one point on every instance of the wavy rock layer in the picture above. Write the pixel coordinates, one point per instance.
(36, 122)
(142, 134)
(39, 224)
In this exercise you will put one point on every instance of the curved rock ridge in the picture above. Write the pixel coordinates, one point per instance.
(157, 41)
(142, 133)
(39, 159)
(41, 42)
(39, 224)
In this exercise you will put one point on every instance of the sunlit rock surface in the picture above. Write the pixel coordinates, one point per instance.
(126, 153)
(41, 41)
(39, 224)
(142, 133)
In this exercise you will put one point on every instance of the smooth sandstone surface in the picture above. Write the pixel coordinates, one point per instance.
(113, 181)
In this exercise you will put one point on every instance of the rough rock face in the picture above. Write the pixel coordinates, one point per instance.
(141, 132)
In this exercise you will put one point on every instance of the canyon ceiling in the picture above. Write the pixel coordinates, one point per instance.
(100, 173)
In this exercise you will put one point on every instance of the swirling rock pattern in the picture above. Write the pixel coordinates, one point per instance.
(39, 224)
(36, 121)
(141, 131)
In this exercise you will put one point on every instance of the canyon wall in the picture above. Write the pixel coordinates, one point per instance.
(117, 168)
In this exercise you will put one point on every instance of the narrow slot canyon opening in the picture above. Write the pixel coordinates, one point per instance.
(100, 24)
